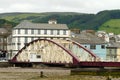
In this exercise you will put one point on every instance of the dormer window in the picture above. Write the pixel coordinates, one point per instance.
(52, 21)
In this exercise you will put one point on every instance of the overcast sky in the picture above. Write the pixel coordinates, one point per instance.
(82, 6)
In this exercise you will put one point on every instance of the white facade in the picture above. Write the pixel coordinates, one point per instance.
(22, 36)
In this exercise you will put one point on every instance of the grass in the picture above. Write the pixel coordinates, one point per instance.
(75, 77)
(36, 76)
(17, 75)
(112, 25)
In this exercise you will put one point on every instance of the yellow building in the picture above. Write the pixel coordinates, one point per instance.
(113, 52)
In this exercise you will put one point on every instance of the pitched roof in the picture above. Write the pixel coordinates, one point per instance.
(88, 38)
(28, 25)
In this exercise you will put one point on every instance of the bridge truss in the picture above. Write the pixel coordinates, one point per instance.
(54, 51)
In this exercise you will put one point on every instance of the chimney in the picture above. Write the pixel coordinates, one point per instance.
(52, 21)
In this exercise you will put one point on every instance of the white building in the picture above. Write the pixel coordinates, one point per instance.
(103, 35)
(26, 32)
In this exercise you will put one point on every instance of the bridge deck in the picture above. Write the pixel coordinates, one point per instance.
(99, 64)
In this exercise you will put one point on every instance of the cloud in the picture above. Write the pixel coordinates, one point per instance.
(21, 7)
(84, 6)
(1, 9)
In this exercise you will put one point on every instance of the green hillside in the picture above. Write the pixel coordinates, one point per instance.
(112, 25)
(4, 22)
(17, 17)
(11, 16)
(73, 20)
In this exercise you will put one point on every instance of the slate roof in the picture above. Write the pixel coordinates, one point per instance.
(29, 25)
(88, 38)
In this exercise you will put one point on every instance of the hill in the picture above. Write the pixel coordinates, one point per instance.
(112, 25)
(4, 23)
(73, 20)
(11, 16)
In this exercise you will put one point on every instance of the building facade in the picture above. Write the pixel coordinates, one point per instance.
(93, 43)
(4, 43)
(26, 32)
(98, 49)
(113, 52)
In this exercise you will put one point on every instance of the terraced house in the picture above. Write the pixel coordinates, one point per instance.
(93, 43)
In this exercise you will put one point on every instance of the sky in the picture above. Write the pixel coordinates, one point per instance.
(81, 6)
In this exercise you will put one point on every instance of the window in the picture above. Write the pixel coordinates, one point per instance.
(64, 32)
(51, 32)
(102, 46)
(26, 31)
(38, 56)
(32, 31)
(18, 39)
(26, 39)
(14, 32)
(115, 51)
(13, 43)
(39, 31)
(45, 31)
(110, 51)
(25, 43)
(92, 46)
(32, 38)
(18, 43)
(18, 31)
(58, 32)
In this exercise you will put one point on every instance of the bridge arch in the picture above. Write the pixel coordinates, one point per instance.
(54, 51)
(90, 55)
(47, 51)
